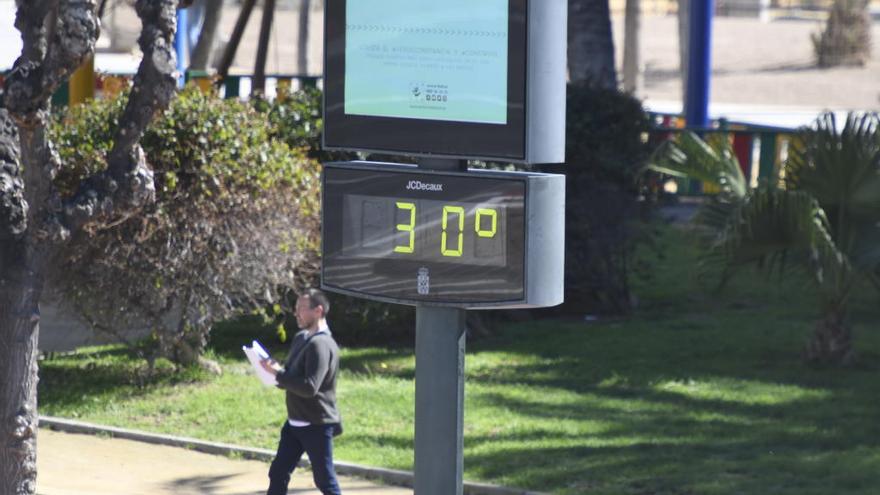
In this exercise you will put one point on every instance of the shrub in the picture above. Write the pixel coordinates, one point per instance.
(234, 226)
(606, 136)
(295, 118)
(361, 322)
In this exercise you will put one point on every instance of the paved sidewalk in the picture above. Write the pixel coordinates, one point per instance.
(78, 464)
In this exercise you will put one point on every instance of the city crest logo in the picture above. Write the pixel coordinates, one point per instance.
(416, 90)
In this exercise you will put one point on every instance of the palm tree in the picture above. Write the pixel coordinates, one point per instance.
(846, 39)
(590, 44)
(824, 215)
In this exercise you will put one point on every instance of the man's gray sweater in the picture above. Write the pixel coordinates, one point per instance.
(309, 378)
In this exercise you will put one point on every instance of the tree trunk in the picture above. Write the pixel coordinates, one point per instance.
(302, 42)
(244, 14)
(34, 218)
(258, 83)
(590, 45)
(846, 39)
(19, 323)
(832, 340)
(20, 286)
(201, 56)
(684, 23)
(632, 48)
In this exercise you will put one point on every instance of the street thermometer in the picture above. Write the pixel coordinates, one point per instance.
(444, 82)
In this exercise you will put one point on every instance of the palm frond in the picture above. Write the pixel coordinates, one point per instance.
(690, 156)
(770, 228)
(841, 169)
(826, 218)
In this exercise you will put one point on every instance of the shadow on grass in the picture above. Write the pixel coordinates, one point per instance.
(668, 444)
(74, 382)
(696, 406)
(228, 337)
(695, 394)
(373, 361)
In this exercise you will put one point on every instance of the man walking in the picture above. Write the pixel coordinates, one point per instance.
(309, 379)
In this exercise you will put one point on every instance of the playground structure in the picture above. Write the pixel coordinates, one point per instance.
(759, 148)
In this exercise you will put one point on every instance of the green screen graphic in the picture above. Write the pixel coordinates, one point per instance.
(427, 59)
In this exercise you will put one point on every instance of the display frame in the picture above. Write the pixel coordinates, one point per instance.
(541, 261)
(534, 131)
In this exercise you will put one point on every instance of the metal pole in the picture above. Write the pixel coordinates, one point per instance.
(696, 107)
(439, 435)
(302, 45)
(229, 53)
(259, 85)
(632, 48)
(439, 431)
(699, 63)
(180, 46)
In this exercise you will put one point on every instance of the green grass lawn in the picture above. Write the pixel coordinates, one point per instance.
(697, 393)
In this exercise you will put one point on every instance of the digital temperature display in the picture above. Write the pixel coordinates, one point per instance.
(407, 234)
(422, 229)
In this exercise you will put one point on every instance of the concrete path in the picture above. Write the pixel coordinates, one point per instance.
(76, 464)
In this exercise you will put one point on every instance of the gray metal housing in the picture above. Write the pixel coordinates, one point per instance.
(545, 244)
(546, 68)
(544, 253)
(545, 237)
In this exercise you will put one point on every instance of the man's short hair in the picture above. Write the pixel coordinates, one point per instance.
(317, 298)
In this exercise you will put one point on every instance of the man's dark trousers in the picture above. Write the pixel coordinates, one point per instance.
(317, 442)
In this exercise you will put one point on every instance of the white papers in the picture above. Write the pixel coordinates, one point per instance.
(255, 353)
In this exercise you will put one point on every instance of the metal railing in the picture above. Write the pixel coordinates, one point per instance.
(761, 150)
(85, 84)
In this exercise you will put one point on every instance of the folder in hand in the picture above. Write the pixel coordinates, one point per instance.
(255, 353)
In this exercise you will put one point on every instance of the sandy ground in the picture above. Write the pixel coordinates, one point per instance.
(753, 62)
(757, 63)
(74, 464)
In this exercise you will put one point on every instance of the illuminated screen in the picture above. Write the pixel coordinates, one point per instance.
(423, 77)
(424, 59)
(420, 236)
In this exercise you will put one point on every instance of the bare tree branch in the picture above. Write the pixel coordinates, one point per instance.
(57, 35)
(49, 56)
(127, 183)
(30, 19)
